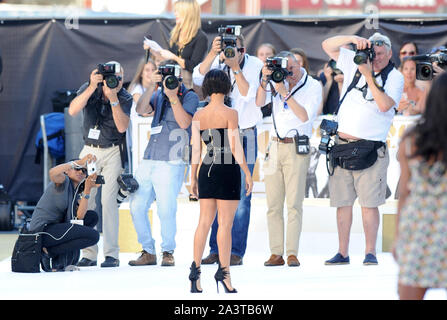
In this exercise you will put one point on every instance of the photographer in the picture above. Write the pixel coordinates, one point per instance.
(296, 100)
(243, 71)
(64, 200)
(364, 119)
(106, 106)
(332, 80)
(160, 173)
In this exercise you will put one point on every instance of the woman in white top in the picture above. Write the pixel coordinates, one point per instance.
(140, 82)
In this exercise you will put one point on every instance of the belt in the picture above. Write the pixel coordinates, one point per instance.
(347, 140)
(105, 146)
(244, 130)
(285, 140)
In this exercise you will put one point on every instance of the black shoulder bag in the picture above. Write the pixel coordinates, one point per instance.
(27, 253)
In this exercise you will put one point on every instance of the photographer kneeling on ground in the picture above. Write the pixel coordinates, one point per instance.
(62, 215)
(372, 88)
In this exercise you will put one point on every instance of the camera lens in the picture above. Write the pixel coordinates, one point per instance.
(112, 81)
(360, 57)
(171, 82)
(229, 52)
(278, 76)
(426, 72)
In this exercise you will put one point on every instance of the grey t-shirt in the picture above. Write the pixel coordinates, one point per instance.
(98, 115)
(55, 205)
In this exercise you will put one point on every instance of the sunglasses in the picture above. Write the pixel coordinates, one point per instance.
(410, 53)
(378, 43)
(84, 170)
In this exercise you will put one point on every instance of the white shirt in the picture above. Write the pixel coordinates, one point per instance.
(309, 97)
(359, 117)
(249, 114)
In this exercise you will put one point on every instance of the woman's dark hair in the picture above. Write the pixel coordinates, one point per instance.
(216, 81)
(431, 131)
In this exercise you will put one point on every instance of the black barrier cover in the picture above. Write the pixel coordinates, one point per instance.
(41, 56)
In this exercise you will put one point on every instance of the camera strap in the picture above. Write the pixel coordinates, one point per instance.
(290, 95)
(241, 65)
(383, 74)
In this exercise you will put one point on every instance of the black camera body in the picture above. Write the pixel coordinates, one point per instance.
(228, 39)
(108, 70)
(424, 67)
(328, 129)
(278, 66)
(333, 65)
(170, 75)
(362, 56)
(127, 184)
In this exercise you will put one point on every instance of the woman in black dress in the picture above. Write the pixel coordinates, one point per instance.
(219, 182)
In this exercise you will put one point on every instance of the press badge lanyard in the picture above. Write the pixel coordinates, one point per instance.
(285, 104)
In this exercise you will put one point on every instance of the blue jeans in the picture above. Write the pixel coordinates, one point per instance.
(159, 180)
(239, 232)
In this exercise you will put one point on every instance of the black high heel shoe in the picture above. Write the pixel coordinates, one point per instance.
(220, 275)
(194, 275)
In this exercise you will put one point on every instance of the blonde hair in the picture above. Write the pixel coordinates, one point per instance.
(190, 11)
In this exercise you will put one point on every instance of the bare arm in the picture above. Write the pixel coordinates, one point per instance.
(196, 153)
(209, 59)
(332, 45)
(261, 92)
(83, 203)
(57, 173)
(119, 117)
(237, 149)
(79, 103)
(143, 104)
(182, 117)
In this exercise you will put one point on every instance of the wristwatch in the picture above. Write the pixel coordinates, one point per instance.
(85, 196)
(237, 72)
(114, 104)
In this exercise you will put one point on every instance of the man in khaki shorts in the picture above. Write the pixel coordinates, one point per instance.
(366, 113)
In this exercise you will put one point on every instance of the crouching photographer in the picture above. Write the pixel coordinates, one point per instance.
(372, 89)
(61, 217)
(161, 173)
(295, 97)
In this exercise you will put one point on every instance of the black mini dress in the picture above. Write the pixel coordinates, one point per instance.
(219, 174)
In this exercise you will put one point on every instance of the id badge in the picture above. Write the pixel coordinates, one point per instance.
(76, 221)
(156, 130)
(94, 134)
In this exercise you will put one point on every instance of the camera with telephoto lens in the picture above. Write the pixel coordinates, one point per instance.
(362, 56)
(108, 70)
(328, 129)
(170, 75)
(279, 67)
(228, 39)
(127, 185)
(424, 67)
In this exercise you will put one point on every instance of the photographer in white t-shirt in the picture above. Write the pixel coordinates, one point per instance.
(366, 112)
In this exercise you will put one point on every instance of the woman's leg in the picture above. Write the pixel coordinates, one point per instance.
(207, 215)
(226, 210)
(411, 293)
